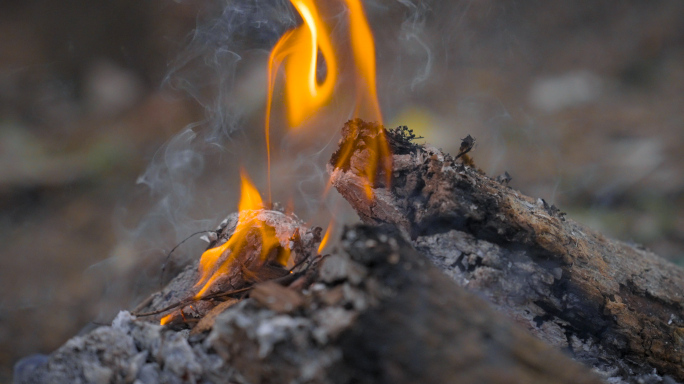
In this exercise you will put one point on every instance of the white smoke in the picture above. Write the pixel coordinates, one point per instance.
(191, 181)
(219, 55)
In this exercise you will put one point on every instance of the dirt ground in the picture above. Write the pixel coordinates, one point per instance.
(104, 166)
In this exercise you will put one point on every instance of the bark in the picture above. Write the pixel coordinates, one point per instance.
(427, 329)
(615, 306)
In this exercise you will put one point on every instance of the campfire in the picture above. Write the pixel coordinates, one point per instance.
(254, 250)
(453, 277)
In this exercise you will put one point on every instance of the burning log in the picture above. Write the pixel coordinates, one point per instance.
(614, 306)
(267, 235)
(378, 311)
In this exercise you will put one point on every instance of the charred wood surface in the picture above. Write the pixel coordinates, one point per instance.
(615, 306)
(378, 312)
(427, 329)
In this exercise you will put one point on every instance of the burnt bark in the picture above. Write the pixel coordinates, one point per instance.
(378, 312)
(427, 329)
(246, 270)
(614, 306)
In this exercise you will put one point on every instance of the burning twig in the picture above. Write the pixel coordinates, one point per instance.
(284, 280)
(190, 300)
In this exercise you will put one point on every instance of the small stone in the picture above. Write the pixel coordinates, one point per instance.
(334, 320)
(332, 296)
(337, 268)
(504, 179)
(355, 297)
(149, 374)
(96, 373)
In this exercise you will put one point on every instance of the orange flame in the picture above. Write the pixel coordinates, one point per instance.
(219, 261)
(300, 48)
(367, 104)
(305, 94)
(326, 237)
(363, 46)
(166, 319)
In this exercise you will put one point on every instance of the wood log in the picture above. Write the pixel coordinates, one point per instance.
(379, 312)
(426, 329)
(614, 306)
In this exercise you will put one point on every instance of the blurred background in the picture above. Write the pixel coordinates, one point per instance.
(123, 125)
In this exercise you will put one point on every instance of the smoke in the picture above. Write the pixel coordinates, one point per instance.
(191, 181)
(207, 69)
(189, 184)
(413, 31)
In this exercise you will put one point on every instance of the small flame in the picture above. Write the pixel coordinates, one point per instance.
(218, 261)
(301, 47)
(303, 51)
(166, 319)
(367, 104)
(326, 237)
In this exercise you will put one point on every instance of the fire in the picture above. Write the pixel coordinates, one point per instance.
(216, 262)
(166, 319)
(311, 69)
(363, 46)
(299, 49)
(326, 237)
(303, 51)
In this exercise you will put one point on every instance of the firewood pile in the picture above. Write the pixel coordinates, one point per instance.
(453, 277)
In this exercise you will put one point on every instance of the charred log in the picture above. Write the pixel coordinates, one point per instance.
(614, 306)
(428, 330)
(379, 312)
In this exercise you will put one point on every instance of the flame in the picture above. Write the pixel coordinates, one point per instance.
(363, 47)
(219, 261)
(303, 51)
(166, 319)
(326, 237)
(299, 48)
(367, 104)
